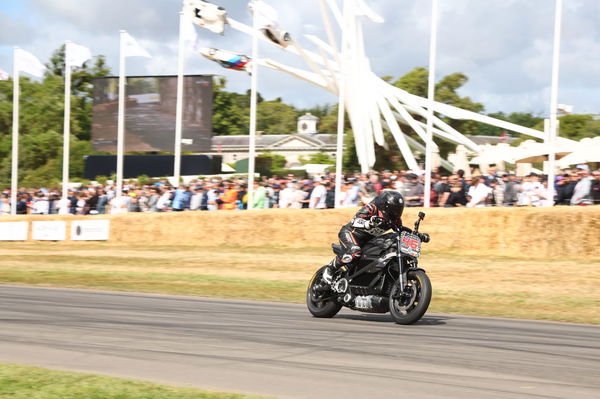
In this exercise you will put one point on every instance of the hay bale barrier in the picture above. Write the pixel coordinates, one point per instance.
(512, 232)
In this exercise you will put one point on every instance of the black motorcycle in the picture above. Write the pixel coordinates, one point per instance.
(387, 278)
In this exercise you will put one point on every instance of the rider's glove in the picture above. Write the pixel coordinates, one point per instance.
(424, 237)
(376, 221)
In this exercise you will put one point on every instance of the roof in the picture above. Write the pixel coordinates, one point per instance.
(491, 139)
(268, 140)
(308, 117)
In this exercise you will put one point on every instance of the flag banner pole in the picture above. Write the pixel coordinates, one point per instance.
(179, 109)
(121, 114)
(341, 114)
(551, 137)
(66, 123)
(253, 86)
(15, 136)
(430, 99)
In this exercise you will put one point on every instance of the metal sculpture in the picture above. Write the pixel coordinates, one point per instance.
(373, 105)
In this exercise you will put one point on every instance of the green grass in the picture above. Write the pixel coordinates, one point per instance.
(159, 283)
(24, 382)
(557, 289)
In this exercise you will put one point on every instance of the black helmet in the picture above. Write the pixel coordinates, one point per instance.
(391, 204)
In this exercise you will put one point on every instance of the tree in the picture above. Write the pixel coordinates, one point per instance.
(318, 157)
(526, 119)
(274, 117)
(41, 122)
(231, 111)
(416, 82)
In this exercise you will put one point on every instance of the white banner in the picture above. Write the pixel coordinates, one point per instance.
(90, 230)
(13, 231)
(49, 231)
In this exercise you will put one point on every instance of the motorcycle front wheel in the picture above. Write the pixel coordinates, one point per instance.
(410, 306)
(320, 299)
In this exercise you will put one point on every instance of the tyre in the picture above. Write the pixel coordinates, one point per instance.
(320, 299)
(409, 307)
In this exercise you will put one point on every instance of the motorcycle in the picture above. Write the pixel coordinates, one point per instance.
(386, 278)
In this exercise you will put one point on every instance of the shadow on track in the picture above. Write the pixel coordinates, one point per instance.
(386, 318)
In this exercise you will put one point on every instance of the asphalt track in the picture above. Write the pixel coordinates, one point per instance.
(279, 350)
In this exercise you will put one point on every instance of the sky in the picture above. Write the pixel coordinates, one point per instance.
(503, 46)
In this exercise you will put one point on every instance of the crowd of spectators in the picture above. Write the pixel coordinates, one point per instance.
(579, 186)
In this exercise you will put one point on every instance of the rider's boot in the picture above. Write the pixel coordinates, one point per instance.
(333, 268)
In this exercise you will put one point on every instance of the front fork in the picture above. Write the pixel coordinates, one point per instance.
(402, 277)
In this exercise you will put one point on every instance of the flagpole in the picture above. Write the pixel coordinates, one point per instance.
(430, 98)
(551, 137)
(15, 136)
(121, 114)
(253, 85)
(341, 112)
(179, 109)
(66, 123)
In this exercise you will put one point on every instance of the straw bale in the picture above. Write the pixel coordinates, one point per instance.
(510, 232)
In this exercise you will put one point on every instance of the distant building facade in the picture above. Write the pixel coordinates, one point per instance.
(302, 144)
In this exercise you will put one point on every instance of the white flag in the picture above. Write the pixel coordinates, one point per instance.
(76, 54)
(3, 75)
(206, 15)
(28, 63)
(133, 49)
(363, 10)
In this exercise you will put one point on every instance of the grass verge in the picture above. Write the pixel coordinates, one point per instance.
(490, 285)
(25, 382)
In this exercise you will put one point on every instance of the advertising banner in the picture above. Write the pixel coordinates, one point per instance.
(49, 230)
(90, 230)
(13, 231)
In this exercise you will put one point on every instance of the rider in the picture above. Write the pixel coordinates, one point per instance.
(372, 220)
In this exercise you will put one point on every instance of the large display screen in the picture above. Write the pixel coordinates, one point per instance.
(150, 113)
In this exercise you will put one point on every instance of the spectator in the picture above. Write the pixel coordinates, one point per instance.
(318, 196)
(330, 196)
(457, 196)
(414, 191)
(582, 193)
(595, 187)
(478, 193)
(40, 206)
(4, 205)
(291, 197)
(509, 197)
(259, 196)
(442, 190)
(229, 197)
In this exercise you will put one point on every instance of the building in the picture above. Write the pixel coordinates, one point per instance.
(302, 144)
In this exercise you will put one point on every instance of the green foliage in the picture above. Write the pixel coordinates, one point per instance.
(319, 158)
(143, 180)
(24, 382)
(274, 117)
(577, 127)
(41, 122)
(277, 161)
(526, 119)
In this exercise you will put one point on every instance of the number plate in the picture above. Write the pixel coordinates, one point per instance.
(410, 244)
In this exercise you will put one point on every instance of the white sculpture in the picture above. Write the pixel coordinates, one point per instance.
(372, 103)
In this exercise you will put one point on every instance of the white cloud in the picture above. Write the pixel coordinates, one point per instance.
(504, 47)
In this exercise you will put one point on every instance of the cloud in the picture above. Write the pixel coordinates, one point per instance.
(504, 47)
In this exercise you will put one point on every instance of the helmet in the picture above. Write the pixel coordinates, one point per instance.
(391, 204)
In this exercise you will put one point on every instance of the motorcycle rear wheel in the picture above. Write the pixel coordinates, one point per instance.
(409, 309)
(320, 303)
